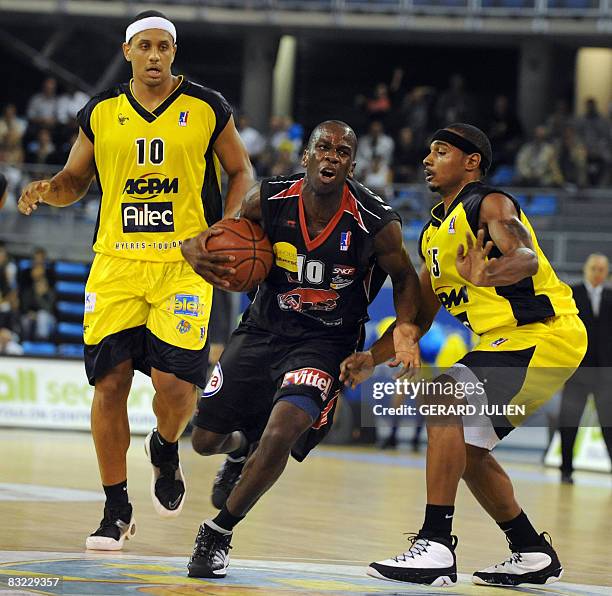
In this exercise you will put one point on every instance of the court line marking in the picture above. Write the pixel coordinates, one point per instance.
(8, 558)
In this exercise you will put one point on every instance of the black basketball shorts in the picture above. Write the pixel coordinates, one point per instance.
(258, 368)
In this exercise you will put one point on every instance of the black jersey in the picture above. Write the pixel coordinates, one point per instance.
(323, 285)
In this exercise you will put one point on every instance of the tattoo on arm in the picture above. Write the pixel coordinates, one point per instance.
(517, 230)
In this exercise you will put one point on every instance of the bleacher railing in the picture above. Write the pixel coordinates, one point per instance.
(518, 8)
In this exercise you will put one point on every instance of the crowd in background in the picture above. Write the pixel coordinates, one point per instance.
(27, 301)
(393, 139)
(394, 127)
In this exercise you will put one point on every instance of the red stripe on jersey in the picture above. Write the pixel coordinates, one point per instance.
(294, 190)
(322, 420)
(329, 228)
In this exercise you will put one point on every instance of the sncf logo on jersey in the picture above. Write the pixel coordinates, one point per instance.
(453, 298)
(303, 299)
(343, 276)
(312, 377)
(150, 186)
(147, 217)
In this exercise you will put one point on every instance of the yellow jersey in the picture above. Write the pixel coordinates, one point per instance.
(157, 171)
(482, 309)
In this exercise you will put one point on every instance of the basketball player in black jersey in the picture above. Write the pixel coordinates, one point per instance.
(277, 382)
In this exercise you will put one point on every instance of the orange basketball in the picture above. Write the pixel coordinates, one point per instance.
(246, 241)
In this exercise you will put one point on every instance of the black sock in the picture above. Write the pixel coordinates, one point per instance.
(117, 496)
(520, 532)
(241, 452)
(162, 450)
(226, 520)
(438, 521)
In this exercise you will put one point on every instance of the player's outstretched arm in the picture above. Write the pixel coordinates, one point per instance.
(359, 366)
(234, 159)
(392, 257)
(519, 259)
(67, 186)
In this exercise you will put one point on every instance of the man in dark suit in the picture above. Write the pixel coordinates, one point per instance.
(594, 302)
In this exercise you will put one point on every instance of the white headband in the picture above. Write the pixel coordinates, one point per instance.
(150, 23)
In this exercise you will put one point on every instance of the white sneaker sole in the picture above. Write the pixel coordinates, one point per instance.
(439, 582)
(104, 543)
(159, 508)
(551, 580)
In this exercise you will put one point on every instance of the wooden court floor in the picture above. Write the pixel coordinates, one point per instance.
(313, 533)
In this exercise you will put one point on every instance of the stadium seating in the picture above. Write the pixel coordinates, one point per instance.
(38, 348)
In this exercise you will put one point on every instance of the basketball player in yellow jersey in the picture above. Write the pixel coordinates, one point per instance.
(154, 145)
(482, 263)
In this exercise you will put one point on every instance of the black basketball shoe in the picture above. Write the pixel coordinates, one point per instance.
(210, 556)
(168, 487)
(116, 527)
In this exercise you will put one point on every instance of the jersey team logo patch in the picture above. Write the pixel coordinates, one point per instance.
(285, 256)
(182, 121)
(499, 342)
(183, 326)
(342, 276)
(215, 382)
(345, 241)
(147, 217)
(313, 377)
(303, 299)
(187, 305)
(90, 301)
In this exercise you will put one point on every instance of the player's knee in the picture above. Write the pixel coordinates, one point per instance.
(277, 440)
(115, 385)
(206, 442)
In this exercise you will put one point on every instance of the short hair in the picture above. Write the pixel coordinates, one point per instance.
(351, 132)
(476, 137)
(148, 13)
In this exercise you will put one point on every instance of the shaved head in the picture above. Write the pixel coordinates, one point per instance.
(349, 133)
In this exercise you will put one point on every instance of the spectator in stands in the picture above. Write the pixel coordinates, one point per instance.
(594, 130)
(572, 158)
(8, 291)
(378, 106)
(63, 150)
(37, 306)
(504, 131)
(559, 120)
(3, 189)
(42, 149)
(253, 140)
(379, 177)
(407, 157)
(42, 108)
(12, 129)
(375, 143)
(285, 162)
(415, 113)
(536, 162)
(594, 302)
(454, 104)
(8, 343)
(69, 104)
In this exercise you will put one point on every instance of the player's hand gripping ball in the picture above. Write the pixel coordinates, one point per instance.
(248, 244)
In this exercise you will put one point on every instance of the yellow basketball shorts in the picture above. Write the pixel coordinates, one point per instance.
(155, 314)
(513, 371)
